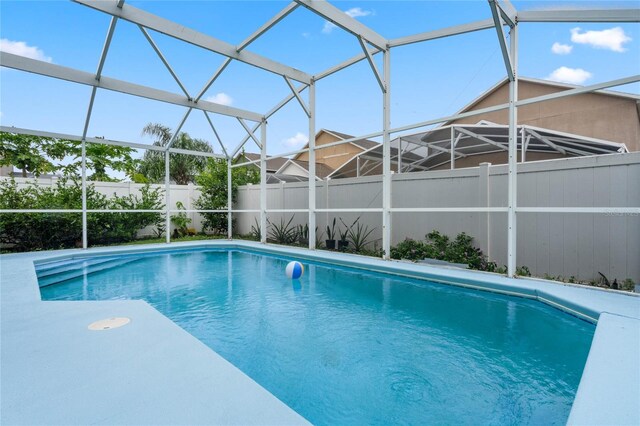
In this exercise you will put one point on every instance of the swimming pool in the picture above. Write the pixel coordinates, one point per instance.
(350, 346)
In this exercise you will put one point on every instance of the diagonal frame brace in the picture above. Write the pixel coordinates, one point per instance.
(297, 95)
(546, 141)
(215, 132)
(172, 29)
(275, 109)
(372, 64)
(105, 48)
(497, 21)
(164, 61)
(246, 42)
(508, 12)
(251, 135)
(101, 61)
(268, 25)
(482, 138)
(177, 131)
(336, 16)
(213, 78)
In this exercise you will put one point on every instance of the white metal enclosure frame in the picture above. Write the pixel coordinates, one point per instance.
(372, 43)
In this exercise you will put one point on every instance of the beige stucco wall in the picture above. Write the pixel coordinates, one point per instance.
(591, 114)
(334, 156)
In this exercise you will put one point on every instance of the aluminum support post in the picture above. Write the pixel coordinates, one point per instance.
(103, 57)
(453, 148)
(167, 197)
(523, 146)
(513, 157)
(229, 200)
(312, 165)
(263, 182)
(386, 162)
(85, 239)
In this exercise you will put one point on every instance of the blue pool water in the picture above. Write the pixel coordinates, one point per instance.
(345, 346)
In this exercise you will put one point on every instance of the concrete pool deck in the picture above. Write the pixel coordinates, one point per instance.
(55, 371)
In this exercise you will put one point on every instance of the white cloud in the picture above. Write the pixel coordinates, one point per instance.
(296, 141)
(220, 98)
(328, 27)
(570, 75)
(611, 39)
(21, 48)
(561, 49)
(354, 12)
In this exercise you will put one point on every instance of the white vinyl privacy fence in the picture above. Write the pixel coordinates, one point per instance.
(577, 243)
(566, 244)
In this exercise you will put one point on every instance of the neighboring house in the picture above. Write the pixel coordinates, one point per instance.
(273, 164)
(328, 159)
(336, 156)
(603, 122)
(300, 168)
(607, 115)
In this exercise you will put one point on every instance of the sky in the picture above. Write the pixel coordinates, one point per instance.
(428, 80)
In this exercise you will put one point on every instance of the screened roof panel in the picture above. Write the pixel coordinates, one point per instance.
(427, 150)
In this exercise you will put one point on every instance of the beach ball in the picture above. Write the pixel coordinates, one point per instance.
(294, 270)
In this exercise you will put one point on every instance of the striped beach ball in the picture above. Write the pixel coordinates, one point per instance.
(294, 270)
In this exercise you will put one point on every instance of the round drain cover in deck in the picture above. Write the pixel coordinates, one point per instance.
(109, 323)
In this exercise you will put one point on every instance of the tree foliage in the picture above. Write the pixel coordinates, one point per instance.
(39, 155)
(42, 231)
(183, 168)
(31, 154)
(213, 187)
(101, 157)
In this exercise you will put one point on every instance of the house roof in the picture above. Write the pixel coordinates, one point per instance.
(273, 164)
(364, 143)
(280, 178)
(322, 170)
(434, 146)
(375, 154)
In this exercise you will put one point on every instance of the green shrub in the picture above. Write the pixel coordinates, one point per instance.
(45, 231)
(628, 285)
(213, 191)
(181, 222)
(282, 232)
(441, 247)
(412, 250)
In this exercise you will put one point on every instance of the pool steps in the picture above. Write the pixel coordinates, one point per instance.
(57, 272)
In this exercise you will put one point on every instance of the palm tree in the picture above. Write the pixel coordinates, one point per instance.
(183, 168)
